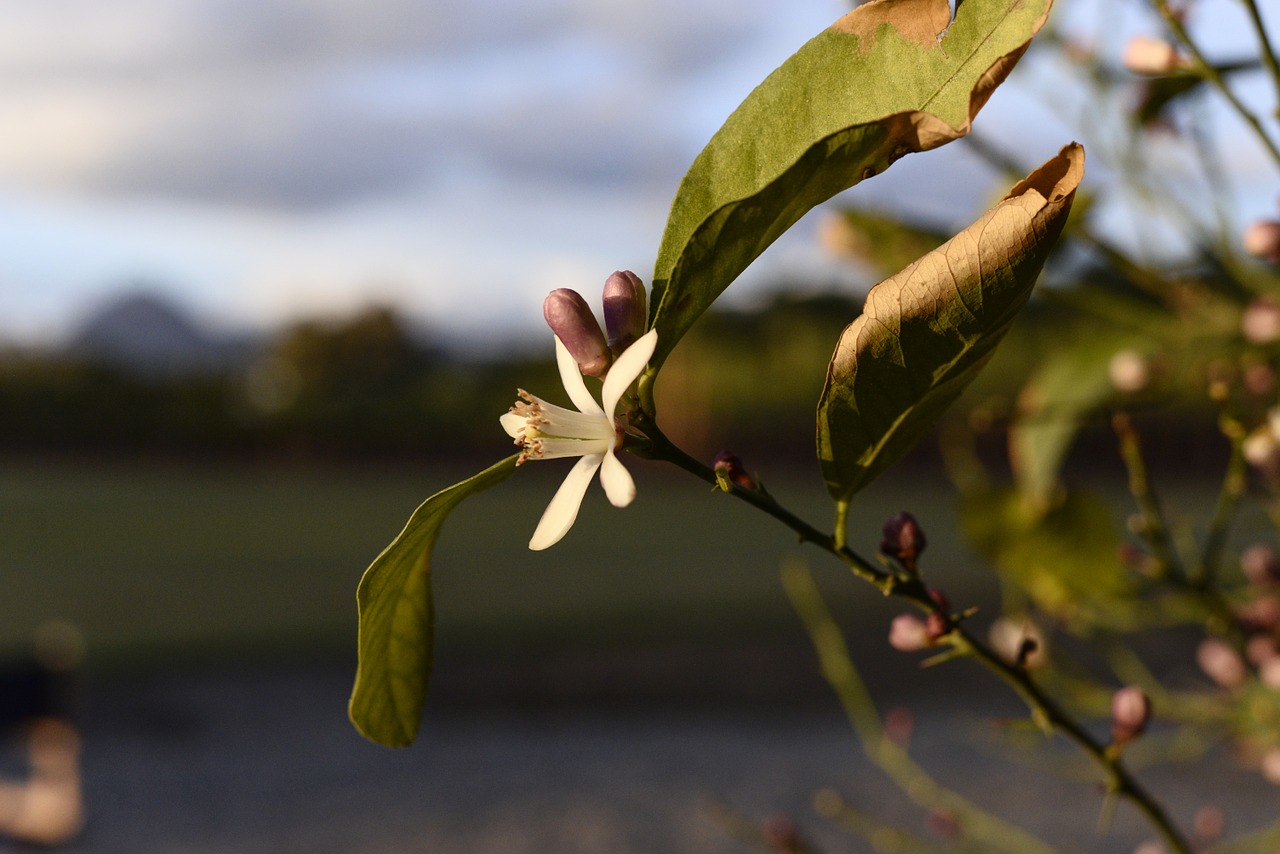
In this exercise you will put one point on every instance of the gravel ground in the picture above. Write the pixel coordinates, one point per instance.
(267, 762)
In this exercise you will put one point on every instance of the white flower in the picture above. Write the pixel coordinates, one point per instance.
(545, 431)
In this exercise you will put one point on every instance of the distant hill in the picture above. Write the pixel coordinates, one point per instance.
(152, 335)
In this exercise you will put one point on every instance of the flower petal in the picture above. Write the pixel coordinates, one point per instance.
(513, 424)
(617, 481)
(572, 380)
(560, 514)
(625, 369)
(551, 448)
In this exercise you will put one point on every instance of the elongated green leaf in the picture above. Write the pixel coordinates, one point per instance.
(396, 619)
(926, 332)
(878, 84)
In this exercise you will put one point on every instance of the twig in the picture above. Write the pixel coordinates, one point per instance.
(1208, 72)
(1043, 709)
(1264, 48)
(842, 674)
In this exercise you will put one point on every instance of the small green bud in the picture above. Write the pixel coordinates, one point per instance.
(625, 314)
(570, 318)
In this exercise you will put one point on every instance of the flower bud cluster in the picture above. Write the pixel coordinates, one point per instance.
(911, 633)
(571, 319)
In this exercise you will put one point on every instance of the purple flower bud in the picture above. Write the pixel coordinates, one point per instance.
(1130, 713)
(625, 314)
(903, 540)
(729, 467)
(570, 318)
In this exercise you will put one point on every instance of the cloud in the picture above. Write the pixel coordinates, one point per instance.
(314, 102)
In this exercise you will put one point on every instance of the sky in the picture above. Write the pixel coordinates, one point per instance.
(261, 160)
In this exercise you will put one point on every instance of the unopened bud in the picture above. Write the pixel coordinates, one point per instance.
(903, 540)
(1269, 673)
(907, 633)
(1271, 766)
(1259, 379)
(1130, 713)
(1019, 642)
(1260, 323)
(780, 834)
(1260, 614)
(625, 314)
(938, 622)
(1151, 56)
(1260, 649)
(1129, 372)
(1261, 450)
(729, 469)
(1262, 240)
(1221, 663)
(1260, 565)
(1210, 823)
(571, 320)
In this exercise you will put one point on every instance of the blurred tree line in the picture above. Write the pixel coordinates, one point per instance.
(370, 386)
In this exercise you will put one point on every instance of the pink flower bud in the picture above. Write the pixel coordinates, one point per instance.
(1129, 372)
(1151, 56)
(907, 633)
(1271, 766)
(570, 318)
(625, 314)
(1210, 823)
(1260, 649)
(1221, 663)
(1260, 565)
(1269, 673)
(1262, 240)
(1019, 642)
(1130, 713)
(1260, 323)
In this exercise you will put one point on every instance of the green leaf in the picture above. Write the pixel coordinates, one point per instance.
(397, 618)
(1066, 559)
(878, 84)
(1071, 384)
(925, 332)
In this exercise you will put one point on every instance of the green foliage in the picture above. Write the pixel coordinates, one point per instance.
(879, 84)
(397, 618)
(1064, 390)
(926, 332)
(1064, 559)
